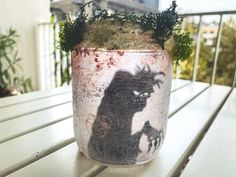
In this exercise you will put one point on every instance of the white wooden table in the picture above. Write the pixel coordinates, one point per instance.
(36, 136)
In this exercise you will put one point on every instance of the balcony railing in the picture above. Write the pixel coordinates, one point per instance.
(216, 45)
(54, 65)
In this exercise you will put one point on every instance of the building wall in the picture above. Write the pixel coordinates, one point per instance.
(24, 15)
(151, 3)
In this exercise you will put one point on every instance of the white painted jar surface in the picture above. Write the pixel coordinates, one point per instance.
(120, 102)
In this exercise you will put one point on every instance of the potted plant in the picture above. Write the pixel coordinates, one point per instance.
(10, 81)
(121, 76)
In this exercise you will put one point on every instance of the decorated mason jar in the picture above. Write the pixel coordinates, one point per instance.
(120, 101)
(121, 85)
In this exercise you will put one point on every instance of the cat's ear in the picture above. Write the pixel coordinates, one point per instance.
(146, 68)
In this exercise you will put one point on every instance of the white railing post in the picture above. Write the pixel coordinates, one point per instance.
(45, 61)
(57, 56)
(234, 79)
(197, 50)
(89, 9)
(218, 39)
(40, 58)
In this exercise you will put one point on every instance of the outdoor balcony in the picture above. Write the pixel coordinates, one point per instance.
(36, 128)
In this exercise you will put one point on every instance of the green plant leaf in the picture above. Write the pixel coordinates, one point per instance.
(10, 77)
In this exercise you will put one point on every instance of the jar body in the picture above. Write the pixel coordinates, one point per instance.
(120, 103)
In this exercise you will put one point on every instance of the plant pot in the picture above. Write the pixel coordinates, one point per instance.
(120, 103)
(8, 92)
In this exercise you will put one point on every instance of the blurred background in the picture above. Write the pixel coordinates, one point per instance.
(31, 60)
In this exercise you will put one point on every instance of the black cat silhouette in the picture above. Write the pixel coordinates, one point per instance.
(111, 140)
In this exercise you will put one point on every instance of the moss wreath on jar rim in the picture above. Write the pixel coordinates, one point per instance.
(121, 81)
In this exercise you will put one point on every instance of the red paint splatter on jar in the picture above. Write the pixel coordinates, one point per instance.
(86, 52)
(111, 62)
(121, 53)
(98, 67)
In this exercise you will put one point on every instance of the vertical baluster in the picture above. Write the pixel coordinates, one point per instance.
(58, 54)
(197, 50)
(216, 54)
(51, 55)
(234, 79)
(41, 56)
(55, 55)
(46, 55)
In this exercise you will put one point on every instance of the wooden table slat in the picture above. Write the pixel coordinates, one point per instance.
(184, 128)
(179, 83)
(14, 111)
(71, 169)
(215, 155)
(30, 147)
(66, 162)
(31, 96)
(31, 122)
(184, 95)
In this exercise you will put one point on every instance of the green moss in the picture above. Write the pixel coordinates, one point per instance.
(122, 31)
(116, 35)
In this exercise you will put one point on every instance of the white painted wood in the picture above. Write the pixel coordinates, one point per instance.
(7, 113)
(180, 97)
(32, 146)
(40, 57)
(215, 155)
(183, 129)
(178, 83)
(31, 122)
(37, 95)
(58, 54)
(67, 162)
(51, 61)
(47, 56)
(13, 100)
